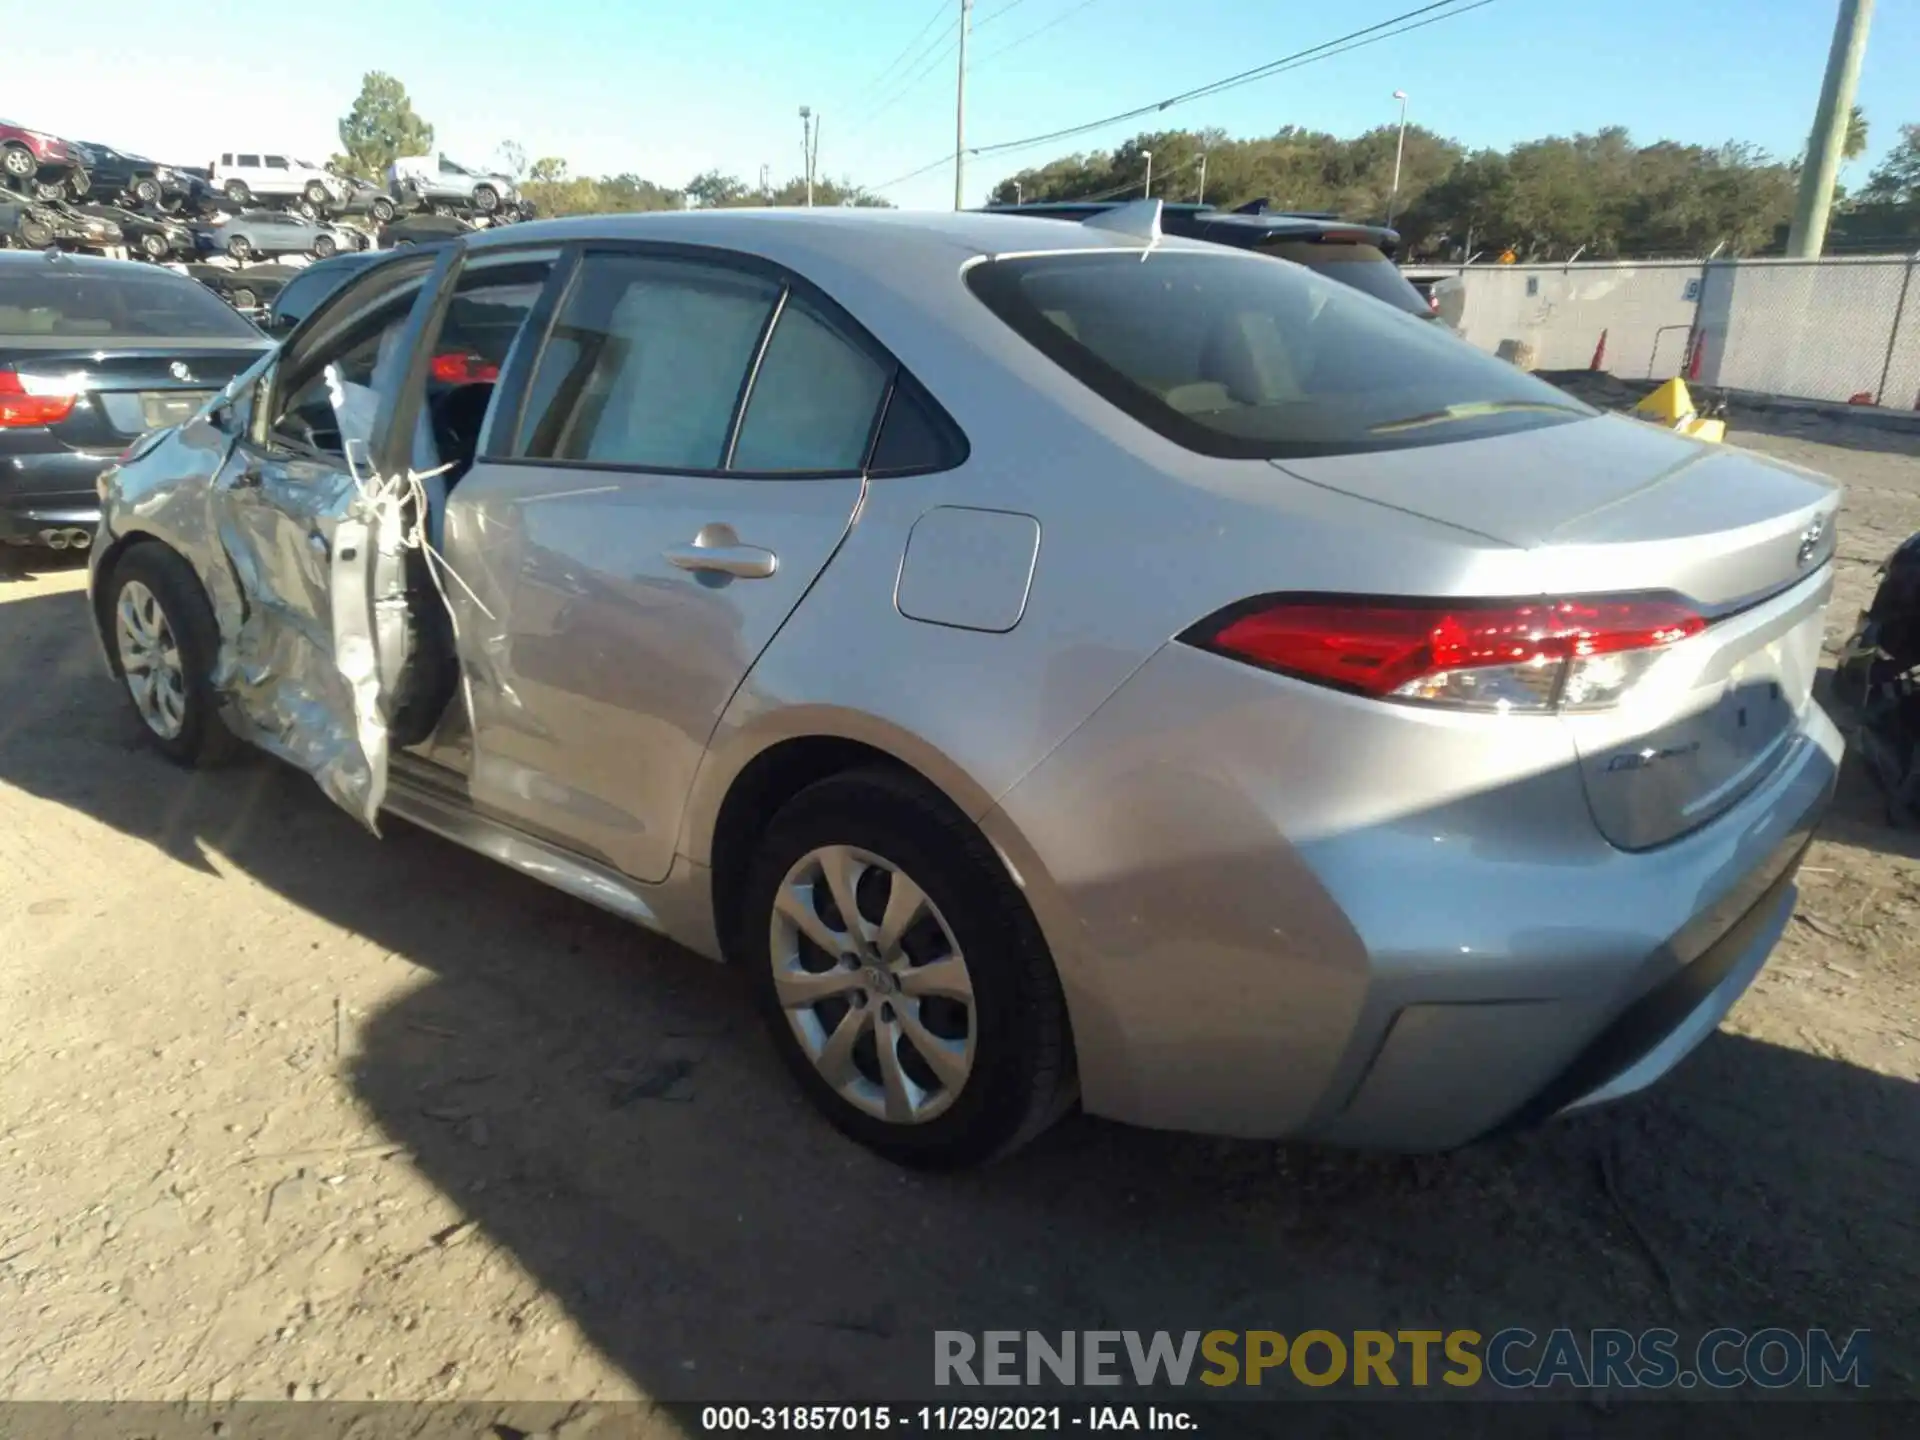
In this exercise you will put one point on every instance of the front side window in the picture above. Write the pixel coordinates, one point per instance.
(276, 162)
(1235, 356)
(813, 401)
(645, 363)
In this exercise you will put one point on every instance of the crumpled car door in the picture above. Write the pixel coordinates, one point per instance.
(320, 551)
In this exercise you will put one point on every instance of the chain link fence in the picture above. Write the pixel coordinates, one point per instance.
(1838, 328)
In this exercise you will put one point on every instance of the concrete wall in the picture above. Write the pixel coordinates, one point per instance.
(1823, 330)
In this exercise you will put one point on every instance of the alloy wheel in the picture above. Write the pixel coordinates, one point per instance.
(150, 660)
(18, 162)
(873, 984)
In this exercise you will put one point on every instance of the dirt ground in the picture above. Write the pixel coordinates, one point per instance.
(288, 1111)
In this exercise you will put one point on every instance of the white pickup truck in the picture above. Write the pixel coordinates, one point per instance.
(436, 180)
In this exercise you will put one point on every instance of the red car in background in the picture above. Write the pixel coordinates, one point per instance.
(40, 164)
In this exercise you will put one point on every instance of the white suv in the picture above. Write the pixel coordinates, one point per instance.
(246, 176)
(436, 180)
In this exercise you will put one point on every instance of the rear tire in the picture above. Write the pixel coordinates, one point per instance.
(17, 163)
(325, 247)
(317, 195)
(36, 234)
(153, 605)
(242, 298)
(147, 192)
(382, 211)
(239, 247)
(486, 199)
(154, 247)
(237, 191)
(985, 1051)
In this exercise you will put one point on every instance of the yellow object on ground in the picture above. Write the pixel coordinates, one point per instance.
(1672, 406)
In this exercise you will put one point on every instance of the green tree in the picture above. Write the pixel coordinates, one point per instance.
(713, 188)
(1855, 145)
(380, 128)
(1896, 179)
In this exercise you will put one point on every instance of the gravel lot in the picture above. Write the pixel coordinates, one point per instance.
(288, 1111)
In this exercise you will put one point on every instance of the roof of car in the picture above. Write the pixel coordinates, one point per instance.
(96, 264)
(975, 231)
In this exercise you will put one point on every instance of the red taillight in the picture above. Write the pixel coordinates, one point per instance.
(462, 369)
(1433, 302)
(1502, 655)
(18, 408)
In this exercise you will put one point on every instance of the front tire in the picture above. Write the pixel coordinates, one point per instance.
(486, 199)
(17, 163)
(36, 234)
(382, 210)
(239, 247)
(930, 1025)
(325, 247)
(154, 247)
(237, 192)
(165, 644)
(147, 192)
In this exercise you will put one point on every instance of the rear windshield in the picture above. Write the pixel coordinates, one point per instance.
(135, 302)
(1231, 355)
(1364, 267)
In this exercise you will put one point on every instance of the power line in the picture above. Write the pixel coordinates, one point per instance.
(1353, 40)
(994, 15)
(926, 62)
(1059, 19)
(939, 9)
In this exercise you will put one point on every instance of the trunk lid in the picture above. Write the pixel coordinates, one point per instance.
(1613, 505)
(125, 390)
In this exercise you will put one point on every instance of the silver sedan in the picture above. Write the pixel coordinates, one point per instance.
(1059, 663)
(257, 234)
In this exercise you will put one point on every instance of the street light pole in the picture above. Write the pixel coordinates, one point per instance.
(960, 114)
(1016, 192)
(806, 150)
(1148, 192)
(1202, 197)
(1807, 236)
(1399, 152)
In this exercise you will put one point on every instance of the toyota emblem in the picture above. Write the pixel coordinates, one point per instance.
(1810, 542)
(178, 369)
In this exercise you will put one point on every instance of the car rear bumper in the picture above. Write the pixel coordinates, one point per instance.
(1272, 925)
(49, 490)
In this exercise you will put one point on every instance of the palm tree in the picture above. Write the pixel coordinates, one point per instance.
(1855, 144)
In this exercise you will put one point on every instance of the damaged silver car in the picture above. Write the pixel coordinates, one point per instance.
(1324, 772)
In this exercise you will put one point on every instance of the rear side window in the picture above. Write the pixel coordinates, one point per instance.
(645, 363)
(814, 400)
(1230, 355)
(131, 303)
(1364, 267)
(250, 162)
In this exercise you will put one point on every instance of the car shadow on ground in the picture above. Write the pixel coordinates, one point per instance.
(639, 1151)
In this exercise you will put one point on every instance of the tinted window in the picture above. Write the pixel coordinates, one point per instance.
(915, 437)
(276, 162)
(1364, 267)
(129, 302)
(250, 161)
(644, 364)
(814, 399)
(1231, 355)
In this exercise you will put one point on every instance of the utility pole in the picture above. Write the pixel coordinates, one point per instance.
(960, 113)
(1016, 193)
(806, 150)
(1808, 235)
(1201, 198)
(1399, 151)
(1147, 192)
(813, 158)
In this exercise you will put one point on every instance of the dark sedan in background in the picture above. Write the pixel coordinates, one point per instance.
(93, 354)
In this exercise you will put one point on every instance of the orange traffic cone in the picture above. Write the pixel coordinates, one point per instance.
(1599, 361)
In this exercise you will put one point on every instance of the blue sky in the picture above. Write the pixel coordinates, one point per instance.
(669, 89)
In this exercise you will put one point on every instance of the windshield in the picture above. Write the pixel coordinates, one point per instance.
(1231, 355)
(139, 303)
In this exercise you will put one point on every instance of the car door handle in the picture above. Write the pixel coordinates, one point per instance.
(716, 550)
